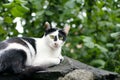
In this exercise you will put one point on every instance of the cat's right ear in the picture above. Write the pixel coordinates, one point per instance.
(47, 26)
(66, 29)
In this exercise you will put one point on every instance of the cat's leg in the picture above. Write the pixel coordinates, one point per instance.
(2, 68)
(18, 67)
(61, 58)
(47, 62)
(16, 60)
(54, 61)
(29, 70)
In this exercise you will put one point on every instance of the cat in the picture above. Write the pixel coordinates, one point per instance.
(22, 54)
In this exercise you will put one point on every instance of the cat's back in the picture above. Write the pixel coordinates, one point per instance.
(18, 46)
(16, 43)
(13, 42)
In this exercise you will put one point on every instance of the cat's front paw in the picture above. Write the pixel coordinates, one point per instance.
(58, 61)
(61, 58)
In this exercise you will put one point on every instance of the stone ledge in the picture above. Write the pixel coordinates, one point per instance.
(78, 74)
(69, 65)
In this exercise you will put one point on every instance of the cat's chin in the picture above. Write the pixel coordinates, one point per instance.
(55, 47)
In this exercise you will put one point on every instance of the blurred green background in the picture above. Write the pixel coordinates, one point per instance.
(94, 37)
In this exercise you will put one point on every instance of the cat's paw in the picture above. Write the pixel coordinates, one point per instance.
(58, 61)
(61, 58)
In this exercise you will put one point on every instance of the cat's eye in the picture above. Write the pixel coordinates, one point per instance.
(51, 36)
(61, 38)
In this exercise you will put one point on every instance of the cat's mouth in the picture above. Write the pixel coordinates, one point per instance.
(56, 45)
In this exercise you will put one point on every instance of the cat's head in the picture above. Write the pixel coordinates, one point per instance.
(55, 37)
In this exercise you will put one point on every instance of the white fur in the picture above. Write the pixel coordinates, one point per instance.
(30, 54)
(47, 53)
(46, 56)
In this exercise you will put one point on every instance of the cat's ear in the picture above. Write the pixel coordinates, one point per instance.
(47, 26)
(66, 29)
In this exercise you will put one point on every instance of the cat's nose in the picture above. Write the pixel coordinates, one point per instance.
(55, 44)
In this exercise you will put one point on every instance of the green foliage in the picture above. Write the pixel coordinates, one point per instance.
(94, 37)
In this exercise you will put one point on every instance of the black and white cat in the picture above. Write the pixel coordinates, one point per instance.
(20, 54)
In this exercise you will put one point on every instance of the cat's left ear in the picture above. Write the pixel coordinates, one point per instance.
(66, 29)
(47, 25)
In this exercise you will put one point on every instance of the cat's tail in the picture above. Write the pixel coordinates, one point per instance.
(25, 75)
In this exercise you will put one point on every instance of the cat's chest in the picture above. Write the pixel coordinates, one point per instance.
(44, 50)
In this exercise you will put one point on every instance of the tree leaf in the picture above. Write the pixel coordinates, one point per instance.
(115, 35)
(19, 11)
(110, 45)
(8, 5)
(98, 63)
(88, 42)
(102, 49)
(8, 20)
(70, 4)
(16, 13)
(49, 13)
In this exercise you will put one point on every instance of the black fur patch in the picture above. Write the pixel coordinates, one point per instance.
(31, 41)
(50, 31)
(63, 34)
(3, 45)
(55, 39)
(17, 40)
(12, 61)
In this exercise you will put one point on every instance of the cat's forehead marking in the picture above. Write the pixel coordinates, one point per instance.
(59, 33)
(50, 31)
(53, 30)
(55, 33)
(62, 32)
